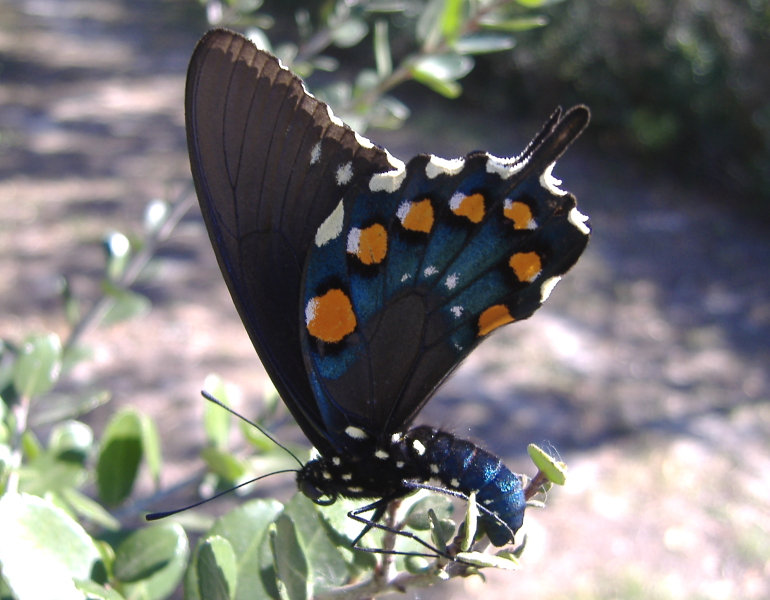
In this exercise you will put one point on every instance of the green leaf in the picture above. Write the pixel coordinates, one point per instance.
(125, 304)
(216, 420)
(483, 43)
(69, 301)
(119, 457)
(86, 508)
(71, 440)
(417, 516)
(329, 566)
(245, 528)
(94, 591)
(291, 567)
(439, 72)
(42, 550)
(428, 28)
(150, 562)
(514, 25)
(471, 521)
(448, 89)
(38, 366)
(59, 407)
(554, 470)
(441, 530)
(49, 472)
(534, 3)
(217, 569)
(151, 447)
(481, 559)
(382, 54)
(223, 464)
(349, 33)
(452, 18)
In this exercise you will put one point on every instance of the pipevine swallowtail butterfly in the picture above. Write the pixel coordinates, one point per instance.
(362, 281)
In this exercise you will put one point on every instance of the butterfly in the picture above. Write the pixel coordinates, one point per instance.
(362, 281)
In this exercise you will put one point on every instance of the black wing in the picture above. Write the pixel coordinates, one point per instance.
(265, 158)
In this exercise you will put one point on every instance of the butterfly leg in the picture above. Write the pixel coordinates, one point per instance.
(379, 507)
(416, 485)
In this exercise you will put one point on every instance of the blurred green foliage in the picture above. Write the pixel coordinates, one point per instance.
(680, 83)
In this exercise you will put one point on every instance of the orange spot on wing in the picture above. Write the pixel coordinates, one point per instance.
(520, 213)
(526, 265)
(493, 317)
(471, 207)
(330, 317)
(372, 245)
(417, 216)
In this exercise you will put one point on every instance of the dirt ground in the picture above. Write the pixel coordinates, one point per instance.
(647, 370)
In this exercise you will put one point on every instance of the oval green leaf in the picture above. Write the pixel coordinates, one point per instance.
(245, 528)
(42, 549)
(484, 43)
(554, 470)
(291, 566)
(119, 457)
(39, 365)
(149, 563)
(217, 569)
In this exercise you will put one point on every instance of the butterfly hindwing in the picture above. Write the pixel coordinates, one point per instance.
(269, 163)
(407, 281)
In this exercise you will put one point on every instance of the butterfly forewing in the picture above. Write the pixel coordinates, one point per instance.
(265, 159)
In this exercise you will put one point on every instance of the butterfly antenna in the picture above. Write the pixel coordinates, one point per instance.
(167, 513)
(211, 398)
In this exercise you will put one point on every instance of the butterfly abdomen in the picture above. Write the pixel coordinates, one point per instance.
(462, 466)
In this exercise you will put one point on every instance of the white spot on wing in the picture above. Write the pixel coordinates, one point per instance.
(431, 270)
(363, 141)
(503, 167)
(334, 118)
(456, 200)
(454, 482)
(354, 240)
(434, 469)
(337, 461)
(452, 281)
(547, 288)
(437, 166)
(344, 173)
(315, 153)
(331, 227)
(549, 182)
(381, 454)
(419, 447)
(457, 311)
(578, 219)
(355, 432)
(310, 311)
(389, 181)
(405, 277)
(347, 476)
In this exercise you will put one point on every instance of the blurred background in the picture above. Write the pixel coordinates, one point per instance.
(648, 368)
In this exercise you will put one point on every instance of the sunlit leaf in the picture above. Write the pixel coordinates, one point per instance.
(39, 365)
